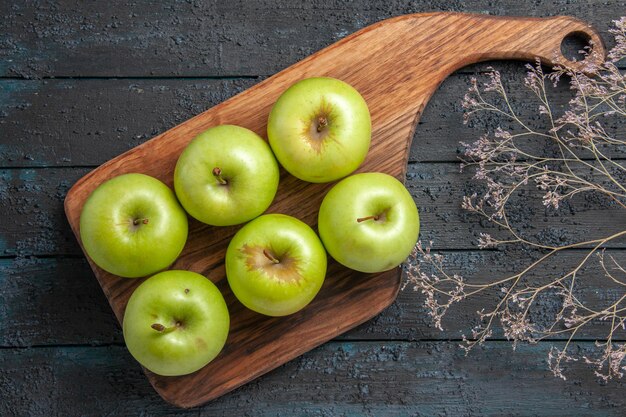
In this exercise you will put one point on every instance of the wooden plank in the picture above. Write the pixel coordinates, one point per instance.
(338, 379)
(115, 39)
(408, 318)
(441, 129)
(53, 301)
(58, 301)
(32, 221)
(438, 190)
(87, 122)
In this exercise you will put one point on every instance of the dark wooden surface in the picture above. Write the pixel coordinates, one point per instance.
(431, 46)
(82, 82)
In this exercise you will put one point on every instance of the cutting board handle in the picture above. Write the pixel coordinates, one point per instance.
(522, 38)
(444, 42)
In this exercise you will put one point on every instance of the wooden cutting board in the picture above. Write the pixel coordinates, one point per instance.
(396, 65)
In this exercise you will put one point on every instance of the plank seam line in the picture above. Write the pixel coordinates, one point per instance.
(330, 342)
(410, 162)
(135, 77)
(462, 71)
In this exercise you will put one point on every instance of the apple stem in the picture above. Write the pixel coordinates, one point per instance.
(136, 222)
(362, 219)
(217, 173)
(270, 256)
(322, 122)
(162, 329)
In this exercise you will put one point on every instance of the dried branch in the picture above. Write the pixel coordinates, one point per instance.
(503, 163)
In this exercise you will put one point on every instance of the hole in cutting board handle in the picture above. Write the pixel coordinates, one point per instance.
(576, 46)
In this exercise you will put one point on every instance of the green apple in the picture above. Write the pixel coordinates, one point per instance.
(176, 322)
(320, 129)
(369, 222)
(275, 264)
(227, 175)
(133, 226)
